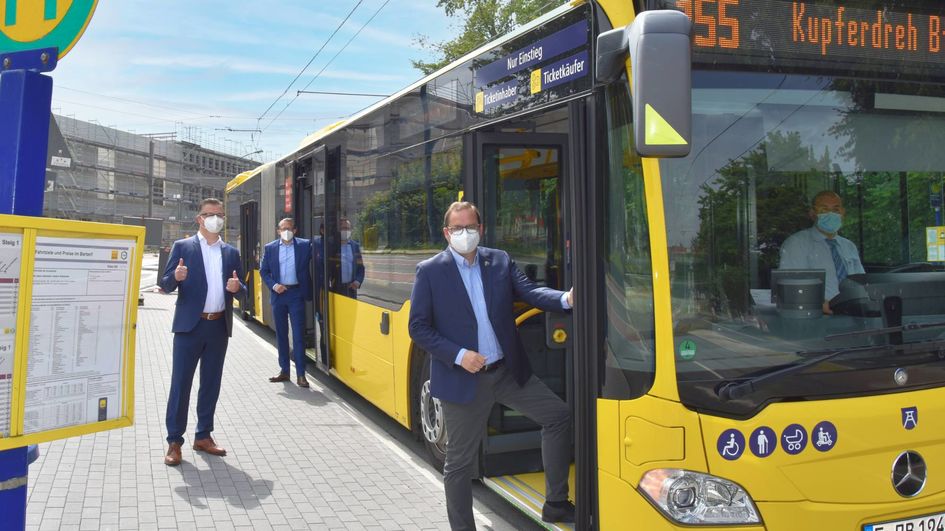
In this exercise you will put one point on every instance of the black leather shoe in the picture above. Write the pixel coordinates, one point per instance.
(562, 511)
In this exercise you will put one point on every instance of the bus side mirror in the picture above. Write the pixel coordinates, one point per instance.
(661, 60)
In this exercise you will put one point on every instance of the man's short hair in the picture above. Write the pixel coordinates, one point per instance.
(209, 201)
(458, 206)
(290, 220)
(824, 193)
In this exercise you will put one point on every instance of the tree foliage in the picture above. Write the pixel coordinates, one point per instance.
(481, 21)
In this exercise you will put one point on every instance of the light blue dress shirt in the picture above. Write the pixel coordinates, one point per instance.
(287, 273)
(472, 281)
(347, 263)
(808, 249)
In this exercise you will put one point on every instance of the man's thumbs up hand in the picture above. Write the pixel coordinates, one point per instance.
(180, 274)
(233, 283)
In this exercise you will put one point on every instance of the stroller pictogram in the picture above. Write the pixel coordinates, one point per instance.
(731, 448)
(794, 440)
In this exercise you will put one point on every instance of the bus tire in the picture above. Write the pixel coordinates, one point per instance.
(431, 424)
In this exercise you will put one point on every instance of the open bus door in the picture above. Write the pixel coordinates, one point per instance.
(304, 221)
(329, 160)
(521, 195)
(312, 217)
(249, 243)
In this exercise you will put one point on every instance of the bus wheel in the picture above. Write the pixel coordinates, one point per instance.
(432, 422)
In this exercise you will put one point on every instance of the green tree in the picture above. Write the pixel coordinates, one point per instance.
(481, 21)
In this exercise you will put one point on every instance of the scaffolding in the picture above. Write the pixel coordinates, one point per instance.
(99, 173)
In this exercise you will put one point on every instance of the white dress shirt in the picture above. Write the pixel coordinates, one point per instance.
(808, 249)
(213, 268)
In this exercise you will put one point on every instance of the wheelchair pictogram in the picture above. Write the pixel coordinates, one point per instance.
(731, 448)
(731, 444)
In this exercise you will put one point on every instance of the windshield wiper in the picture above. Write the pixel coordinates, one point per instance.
(908, 327)
(732, 390)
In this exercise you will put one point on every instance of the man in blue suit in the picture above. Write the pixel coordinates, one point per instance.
(352, 264)
(285, 271)
(461, 313)
(206, 272)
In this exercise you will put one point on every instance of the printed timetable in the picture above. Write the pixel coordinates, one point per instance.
(77, 320)
(11, 247)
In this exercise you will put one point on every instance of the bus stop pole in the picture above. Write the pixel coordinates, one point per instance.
(25, 103)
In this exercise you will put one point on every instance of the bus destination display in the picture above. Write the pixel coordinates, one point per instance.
(834, 35)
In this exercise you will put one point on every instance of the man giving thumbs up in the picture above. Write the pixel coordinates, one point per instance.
(203, 323)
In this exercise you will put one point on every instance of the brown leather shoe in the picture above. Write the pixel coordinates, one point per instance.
(281, 377)
(302, 382)
(173, 455)
(207, 445)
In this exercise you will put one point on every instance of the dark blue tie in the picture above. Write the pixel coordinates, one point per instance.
(837, 259)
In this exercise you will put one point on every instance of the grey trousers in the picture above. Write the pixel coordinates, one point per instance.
(466, 424)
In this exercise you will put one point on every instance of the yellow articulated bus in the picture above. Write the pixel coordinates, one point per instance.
(747, 197)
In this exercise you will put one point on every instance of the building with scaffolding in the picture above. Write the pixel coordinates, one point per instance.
(98, 173)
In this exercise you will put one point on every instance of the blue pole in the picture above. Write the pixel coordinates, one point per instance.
(25, 103)
(13, 487)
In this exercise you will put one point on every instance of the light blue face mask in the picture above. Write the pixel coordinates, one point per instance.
(829, 222)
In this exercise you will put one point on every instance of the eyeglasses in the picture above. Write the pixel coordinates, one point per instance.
(206, 215)
(470, 229)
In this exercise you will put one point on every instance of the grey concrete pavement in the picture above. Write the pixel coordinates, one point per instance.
(298, 458)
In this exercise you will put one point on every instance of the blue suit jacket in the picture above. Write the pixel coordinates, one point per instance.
(357, 269)
(442, 319)
(271, 272)
(192, 294)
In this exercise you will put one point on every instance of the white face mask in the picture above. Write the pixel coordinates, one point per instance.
(464, 242)
(213, 224)
(287, 235)
(346, 235)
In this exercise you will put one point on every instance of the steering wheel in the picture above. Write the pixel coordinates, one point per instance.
(913, 267)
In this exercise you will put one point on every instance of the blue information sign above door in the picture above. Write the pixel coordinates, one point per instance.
(520, 74)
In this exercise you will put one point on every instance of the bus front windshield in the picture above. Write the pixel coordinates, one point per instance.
(806, 240)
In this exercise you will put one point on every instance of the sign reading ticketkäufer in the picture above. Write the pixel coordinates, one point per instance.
(520, 73)
(559, 72)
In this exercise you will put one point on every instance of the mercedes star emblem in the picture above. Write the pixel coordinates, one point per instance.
(908, 474)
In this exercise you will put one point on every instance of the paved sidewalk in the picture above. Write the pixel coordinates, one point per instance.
(298, 459)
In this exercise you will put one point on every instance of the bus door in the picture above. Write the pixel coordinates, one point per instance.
(318, 220)
(302, 214)
(522, 178)
(249, 246)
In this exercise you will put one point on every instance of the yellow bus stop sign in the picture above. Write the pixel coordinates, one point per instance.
(34, 24)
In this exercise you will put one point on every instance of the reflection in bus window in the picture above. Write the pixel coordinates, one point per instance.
(628, 280)
(396, 204)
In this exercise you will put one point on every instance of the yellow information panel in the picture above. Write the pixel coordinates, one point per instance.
(68, 313)
(935, 244)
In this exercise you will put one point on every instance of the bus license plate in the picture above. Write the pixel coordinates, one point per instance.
(931, 522)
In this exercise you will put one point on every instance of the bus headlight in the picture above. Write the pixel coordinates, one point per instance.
(694, 498)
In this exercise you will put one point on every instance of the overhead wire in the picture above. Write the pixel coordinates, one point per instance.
(117, 98)
(310, 61)
(330, 61)
(196, 115)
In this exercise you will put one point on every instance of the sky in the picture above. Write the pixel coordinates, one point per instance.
(208, 70)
